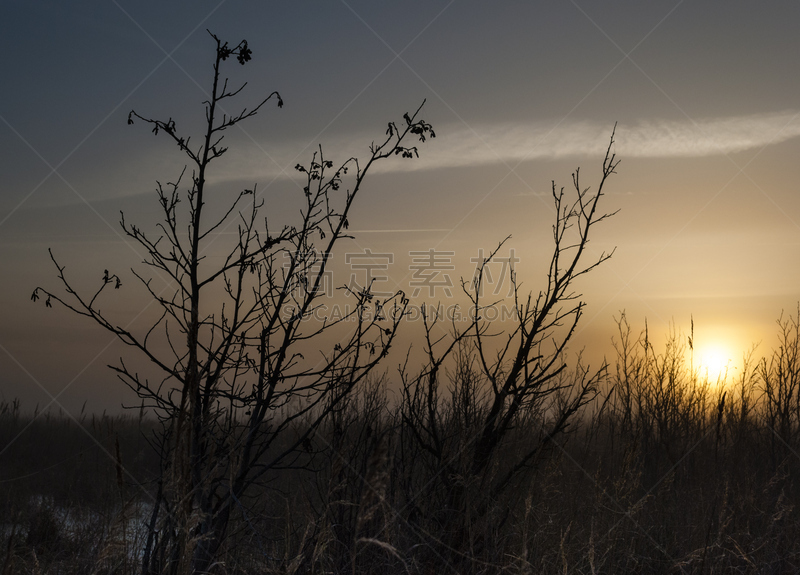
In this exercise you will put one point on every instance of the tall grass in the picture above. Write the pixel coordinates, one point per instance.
(71, 491)
(666, 472)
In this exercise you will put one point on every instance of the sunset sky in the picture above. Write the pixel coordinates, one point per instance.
(705, 96)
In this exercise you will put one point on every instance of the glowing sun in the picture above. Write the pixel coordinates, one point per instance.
(714, 360)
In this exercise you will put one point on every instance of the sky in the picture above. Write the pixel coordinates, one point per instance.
(704, 95)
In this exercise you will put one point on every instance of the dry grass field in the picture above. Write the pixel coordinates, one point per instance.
(663, 472)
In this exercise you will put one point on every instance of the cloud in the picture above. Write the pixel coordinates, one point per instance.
(485, 144)
(708, 137)
(513, 143)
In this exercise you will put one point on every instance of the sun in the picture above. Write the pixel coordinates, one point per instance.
(714, 360)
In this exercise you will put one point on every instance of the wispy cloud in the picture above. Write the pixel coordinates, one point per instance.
(645, 139)
(484, 144)
(708, 137)
(458, 146)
